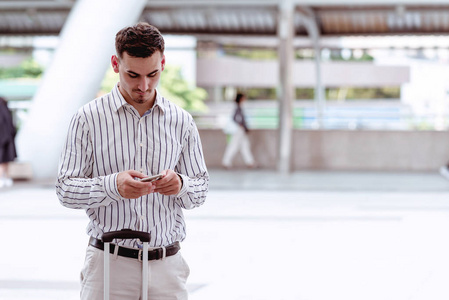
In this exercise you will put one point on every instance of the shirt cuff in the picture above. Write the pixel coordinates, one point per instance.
(184, 182)
(110, 187)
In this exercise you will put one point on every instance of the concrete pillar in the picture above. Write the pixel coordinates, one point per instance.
(320, 97)
(217, 94)
(286, 88)
(309, 21)
(73, 78)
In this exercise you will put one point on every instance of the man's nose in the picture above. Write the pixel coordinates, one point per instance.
(143, 83)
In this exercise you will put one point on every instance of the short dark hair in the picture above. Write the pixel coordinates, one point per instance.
(140, 40)
(239, 97)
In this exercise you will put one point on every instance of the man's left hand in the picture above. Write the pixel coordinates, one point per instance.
(170, 184)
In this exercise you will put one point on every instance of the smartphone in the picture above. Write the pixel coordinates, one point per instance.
(151, 178)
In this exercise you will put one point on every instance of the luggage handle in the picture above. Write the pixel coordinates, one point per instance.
(126, 234)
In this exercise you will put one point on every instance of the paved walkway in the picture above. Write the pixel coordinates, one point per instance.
(329, 181)
(309, 235)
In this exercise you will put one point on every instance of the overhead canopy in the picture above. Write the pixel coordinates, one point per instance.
(246, 17)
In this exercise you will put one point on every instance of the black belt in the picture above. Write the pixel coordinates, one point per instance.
(154, 254)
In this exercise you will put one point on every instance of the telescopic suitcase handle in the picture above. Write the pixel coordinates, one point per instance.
(126, 234)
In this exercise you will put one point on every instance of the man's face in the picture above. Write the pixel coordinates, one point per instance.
(138, 76)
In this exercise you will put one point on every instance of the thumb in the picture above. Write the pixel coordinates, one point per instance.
(134, 173)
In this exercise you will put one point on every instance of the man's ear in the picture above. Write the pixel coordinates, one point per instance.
(163, 62)
(114, 63)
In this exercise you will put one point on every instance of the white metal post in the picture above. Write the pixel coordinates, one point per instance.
(310, 23)
(106, 272)
(286, 92)
(145, 271)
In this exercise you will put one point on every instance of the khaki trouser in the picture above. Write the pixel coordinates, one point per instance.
(167, 277)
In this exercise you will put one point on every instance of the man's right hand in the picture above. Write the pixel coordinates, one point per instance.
(130, 188)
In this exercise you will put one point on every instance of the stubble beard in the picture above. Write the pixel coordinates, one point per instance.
(141, 99)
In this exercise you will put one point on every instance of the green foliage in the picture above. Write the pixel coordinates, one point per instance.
(109, 81)
(179, 91)
(340, 93)
(346, 93)
(260, 93)
(27, 69)
(305, 93)
(172, 86)
(304, 54)
(257, 54)
(336, 55)
(300, 54)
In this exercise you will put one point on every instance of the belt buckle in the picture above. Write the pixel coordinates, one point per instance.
(162, 256)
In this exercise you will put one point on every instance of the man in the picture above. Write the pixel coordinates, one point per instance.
(7, 145)
(131, 133)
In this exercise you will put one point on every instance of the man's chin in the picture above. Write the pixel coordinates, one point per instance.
(140, 100)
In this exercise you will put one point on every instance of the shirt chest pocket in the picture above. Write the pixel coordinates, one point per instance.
(165, 154)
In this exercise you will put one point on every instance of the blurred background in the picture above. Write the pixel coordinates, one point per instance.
(343, 80)
(348, 106)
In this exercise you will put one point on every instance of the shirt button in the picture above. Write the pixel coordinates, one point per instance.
(141, 144)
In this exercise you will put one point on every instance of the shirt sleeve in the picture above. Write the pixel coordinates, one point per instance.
(74, 186)
(193, 171)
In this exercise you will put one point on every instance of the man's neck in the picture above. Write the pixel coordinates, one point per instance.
(141, 108)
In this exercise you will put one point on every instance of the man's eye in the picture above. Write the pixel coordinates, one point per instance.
(132, 76)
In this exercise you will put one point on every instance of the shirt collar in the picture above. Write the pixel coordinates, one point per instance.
(120, 101)
(159, 101)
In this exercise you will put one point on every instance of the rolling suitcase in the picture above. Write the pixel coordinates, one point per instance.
(144, 237)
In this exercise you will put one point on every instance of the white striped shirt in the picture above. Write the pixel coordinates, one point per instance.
(108, 136)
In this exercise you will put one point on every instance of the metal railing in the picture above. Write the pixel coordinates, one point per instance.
(264, 115)
(368, 115)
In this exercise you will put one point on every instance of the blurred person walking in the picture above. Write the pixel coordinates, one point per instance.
(113, 141)
(239, 140)
(444, 171)
(7, 144)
